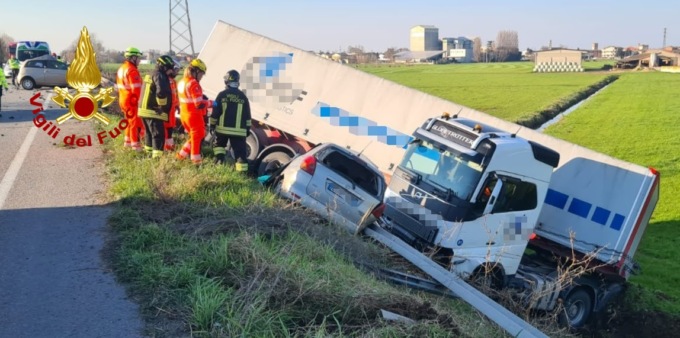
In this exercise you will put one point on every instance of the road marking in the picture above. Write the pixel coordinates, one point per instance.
(13, 171)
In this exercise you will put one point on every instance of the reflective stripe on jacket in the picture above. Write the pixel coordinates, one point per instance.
(156, 101)
(129, 84)
(190, 96)
(231, 114)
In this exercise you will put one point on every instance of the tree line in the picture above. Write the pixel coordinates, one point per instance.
(505, 48)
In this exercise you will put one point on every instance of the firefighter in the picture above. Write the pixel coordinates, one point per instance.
(129, 87)
(171, 124)
(156, 104)
(230, 121)
(192, 109)
(14, 65)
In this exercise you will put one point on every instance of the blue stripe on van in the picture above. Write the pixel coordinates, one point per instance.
(617, 222)
(582, 208)
(556, 199)
(601, 216)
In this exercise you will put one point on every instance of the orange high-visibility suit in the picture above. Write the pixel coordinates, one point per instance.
(171, 124)
(192, 110)
(129, 89)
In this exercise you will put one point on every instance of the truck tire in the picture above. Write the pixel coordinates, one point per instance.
(577, 309)
(271, 162)
(487, 278)
(252, 149)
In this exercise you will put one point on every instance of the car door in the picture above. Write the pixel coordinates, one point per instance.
(36, 70)
(337, 184)
(55, 73)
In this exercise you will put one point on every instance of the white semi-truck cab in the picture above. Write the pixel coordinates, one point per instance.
(470, 190)
(475, 197)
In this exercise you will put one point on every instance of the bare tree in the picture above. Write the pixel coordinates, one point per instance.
(103, 55)
(358, 49)
(477, 49)
(389, 53)
(507, 46)
(5, 40)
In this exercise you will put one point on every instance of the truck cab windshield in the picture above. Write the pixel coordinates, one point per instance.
(446, 168)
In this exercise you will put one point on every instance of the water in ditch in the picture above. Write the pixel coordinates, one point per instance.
(566, 112)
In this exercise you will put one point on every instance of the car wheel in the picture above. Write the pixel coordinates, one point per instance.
(27, 83)
(577, 308)
(271, 162)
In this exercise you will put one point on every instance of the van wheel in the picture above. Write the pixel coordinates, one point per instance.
(27, 83)
(577, 309)
(271, 162)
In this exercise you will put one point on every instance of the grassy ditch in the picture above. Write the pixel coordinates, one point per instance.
(211, 253)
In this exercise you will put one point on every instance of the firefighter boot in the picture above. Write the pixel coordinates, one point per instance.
(220, 158)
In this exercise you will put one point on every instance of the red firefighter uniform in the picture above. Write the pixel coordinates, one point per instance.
(129, 89)
(192, 110)
(171, 124)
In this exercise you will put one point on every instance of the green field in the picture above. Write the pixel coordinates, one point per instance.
(634, 119)
(510, 91)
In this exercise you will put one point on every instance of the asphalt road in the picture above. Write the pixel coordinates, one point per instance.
(53, 281)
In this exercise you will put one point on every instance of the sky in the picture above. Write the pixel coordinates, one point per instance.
(326, 25)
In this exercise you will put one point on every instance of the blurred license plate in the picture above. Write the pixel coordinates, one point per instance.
(342, 193)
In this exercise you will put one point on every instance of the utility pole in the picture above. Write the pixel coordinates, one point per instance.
(181, 40)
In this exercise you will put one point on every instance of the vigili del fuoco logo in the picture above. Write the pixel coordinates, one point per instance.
(83, 75)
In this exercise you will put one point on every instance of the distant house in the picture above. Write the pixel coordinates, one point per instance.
(612, 52)
(558, 60)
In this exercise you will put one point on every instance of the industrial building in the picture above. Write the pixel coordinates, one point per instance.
(458, 49)
(558, 60)
(425, 38)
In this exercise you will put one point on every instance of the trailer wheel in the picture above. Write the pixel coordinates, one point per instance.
(577, 309)
(271, 162)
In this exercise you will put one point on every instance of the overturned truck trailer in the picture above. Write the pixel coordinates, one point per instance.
(299, 99)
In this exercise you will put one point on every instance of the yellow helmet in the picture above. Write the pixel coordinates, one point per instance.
(197, 63)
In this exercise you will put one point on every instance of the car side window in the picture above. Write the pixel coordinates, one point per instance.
(36, 64)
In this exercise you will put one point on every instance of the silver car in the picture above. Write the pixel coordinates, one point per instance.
(42, 71)
(335, 183)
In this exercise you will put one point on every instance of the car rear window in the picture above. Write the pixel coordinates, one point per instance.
(354, 169)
